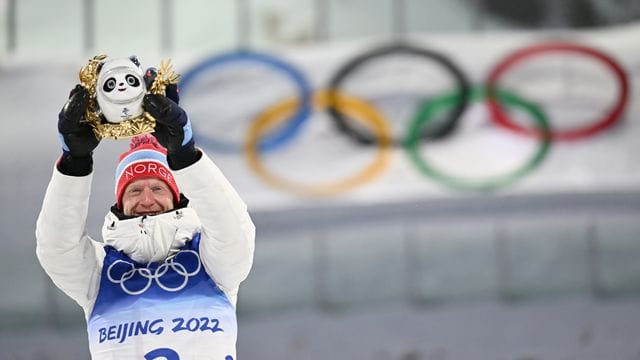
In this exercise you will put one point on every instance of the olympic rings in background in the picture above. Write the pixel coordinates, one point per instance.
(347, 105)
(290, 114)
(278, 137)
(501, 117)
(428, 55)
(432, 107)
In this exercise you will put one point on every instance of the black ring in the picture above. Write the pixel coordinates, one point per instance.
(451, 120)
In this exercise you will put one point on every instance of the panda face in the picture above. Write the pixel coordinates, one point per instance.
(121, 85)
(120, 89)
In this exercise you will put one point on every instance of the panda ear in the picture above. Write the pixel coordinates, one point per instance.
(134, 59)
(100, 67)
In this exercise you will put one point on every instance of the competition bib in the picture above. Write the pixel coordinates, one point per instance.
(171, 310)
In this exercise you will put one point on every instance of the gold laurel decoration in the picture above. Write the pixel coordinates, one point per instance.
(142, 124)
(165, 76)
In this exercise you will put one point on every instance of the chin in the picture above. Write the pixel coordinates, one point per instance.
(151, 213)
(147, 213)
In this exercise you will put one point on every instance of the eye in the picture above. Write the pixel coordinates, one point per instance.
(132, 81)
(109, 85)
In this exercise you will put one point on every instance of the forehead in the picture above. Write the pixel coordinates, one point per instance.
(147, 181)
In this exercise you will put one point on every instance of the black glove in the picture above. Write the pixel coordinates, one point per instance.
(77, 137)
(173, 130)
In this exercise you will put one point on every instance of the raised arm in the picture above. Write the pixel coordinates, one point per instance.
(64, 249)
(228, 240)
(228, 232)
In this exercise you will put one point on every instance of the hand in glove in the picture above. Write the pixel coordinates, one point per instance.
(173, 130)
(77, 137)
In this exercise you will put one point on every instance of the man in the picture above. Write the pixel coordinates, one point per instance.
(177, 243)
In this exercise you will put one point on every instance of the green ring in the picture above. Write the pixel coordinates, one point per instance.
(431, 108)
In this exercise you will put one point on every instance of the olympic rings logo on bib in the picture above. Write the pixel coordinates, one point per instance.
(171, 276)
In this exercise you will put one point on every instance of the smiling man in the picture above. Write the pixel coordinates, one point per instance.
(144, 183)
(178, 242)
(147, 197)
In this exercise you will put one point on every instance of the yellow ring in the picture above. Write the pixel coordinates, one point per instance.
(353, 108)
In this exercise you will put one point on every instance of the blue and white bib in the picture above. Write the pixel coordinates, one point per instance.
(171, 310)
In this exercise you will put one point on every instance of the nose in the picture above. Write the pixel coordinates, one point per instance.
(147, 198)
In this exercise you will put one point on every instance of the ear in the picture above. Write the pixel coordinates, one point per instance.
(134, 59)
(100, 65)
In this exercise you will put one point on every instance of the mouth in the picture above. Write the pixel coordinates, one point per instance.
(149, 213)
(123, 89)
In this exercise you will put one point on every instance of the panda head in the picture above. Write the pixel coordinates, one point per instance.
(120, 89)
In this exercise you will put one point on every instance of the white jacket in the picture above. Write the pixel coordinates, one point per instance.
(74, 261)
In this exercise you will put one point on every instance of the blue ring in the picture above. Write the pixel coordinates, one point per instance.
(275, 139)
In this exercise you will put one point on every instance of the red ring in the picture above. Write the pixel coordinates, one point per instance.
(500, 117)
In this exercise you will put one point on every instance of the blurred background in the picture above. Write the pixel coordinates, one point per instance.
(469, 236)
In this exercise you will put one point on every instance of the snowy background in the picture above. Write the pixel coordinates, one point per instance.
(401, 266)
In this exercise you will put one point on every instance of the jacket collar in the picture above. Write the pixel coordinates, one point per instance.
(147, 239)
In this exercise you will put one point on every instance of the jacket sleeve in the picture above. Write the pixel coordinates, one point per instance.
(65, 251)
(228, 240)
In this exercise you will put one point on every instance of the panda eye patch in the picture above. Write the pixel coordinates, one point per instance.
(132, 80)
(109, 85)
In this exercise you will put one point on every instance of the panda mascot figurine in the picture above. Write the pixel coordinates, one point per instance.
(120, 89)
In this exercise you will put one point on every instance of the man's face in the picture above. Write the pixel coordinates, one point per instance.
(147, 196)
